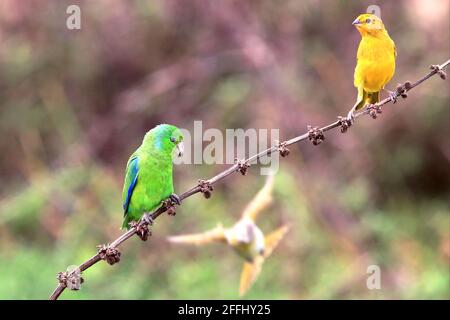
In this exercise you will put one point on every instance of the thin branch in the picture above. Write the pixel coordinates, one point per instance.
(72, 278)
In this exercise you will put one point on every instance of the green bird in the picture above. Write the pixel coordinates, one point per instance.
(148, 176)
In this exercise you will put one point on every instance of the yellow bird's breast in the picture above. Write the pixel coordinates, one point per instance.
(376, 63)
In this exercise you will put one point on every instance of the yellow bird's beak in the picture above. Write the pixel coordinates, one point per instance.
(356, 22)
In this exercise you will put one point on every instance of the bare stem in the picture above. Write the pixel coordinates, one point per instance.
(314, 134)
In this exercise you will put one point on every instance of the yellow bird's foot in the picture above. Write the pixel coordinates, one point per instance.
(393, 95)
(400, 91)
(351, 116)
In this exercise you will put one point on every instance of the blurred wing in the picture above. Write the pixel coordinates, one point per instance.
(215, 235)
(250, 272)
(260, 201)
(272, 240)
(131, 178)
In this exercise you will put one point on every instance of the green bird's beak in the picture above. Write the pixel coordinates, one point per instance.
(180, 149)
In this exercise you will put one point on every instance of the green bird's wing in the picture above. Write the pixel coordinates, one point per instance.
(131, 179)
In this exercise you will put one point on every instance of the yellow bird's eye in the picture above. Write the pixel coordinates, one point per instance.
(172, 139)
(368, 20)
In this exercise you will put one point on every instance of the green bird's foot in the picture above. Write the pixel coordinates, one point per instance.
(169, 204)
(142, 227)
(175, 199)
(147, 219)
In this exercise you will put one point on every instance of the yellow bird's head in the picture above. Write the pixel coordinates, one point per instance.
(368, 24)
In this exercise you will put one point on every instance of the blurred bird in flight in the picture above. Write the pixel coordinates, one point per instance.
(375, 61)
(244, 237)
(148, 176)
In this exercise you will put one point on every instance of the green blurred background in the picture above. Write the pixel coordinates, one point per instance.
(75, 104)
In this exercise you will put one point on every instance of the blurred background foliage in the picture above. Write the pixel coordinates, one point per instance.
(75, 104)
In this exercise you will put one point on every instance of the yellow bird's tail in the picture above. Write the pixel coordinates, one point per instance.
(367, 98)
(373, 97)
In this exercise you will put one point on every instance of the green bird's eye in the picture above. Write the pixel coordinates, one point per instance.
(368, 20)
(173, 139)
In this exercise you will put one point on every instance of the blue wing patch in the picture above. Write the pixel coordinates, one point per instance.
(133, 170)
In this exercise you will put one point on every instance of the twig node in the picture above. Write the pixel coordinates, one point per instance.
(439, 71)
(206, 188)
(400, 91)
(71, 278)
(374, 110)
(284, 151)
(345, 124)
(169, 204)
(315, 135)
(110, 254)
(142, 229)
(242, 166)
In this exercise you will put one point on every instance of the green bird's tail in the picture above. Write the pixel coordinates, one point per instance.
(126, 222)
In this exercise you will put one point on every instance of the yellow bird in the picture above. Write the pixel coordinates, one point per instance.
(244, 237)
(375, 61)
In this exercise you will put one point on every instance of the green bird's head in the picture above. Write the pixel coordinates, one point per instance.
(165, 138)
